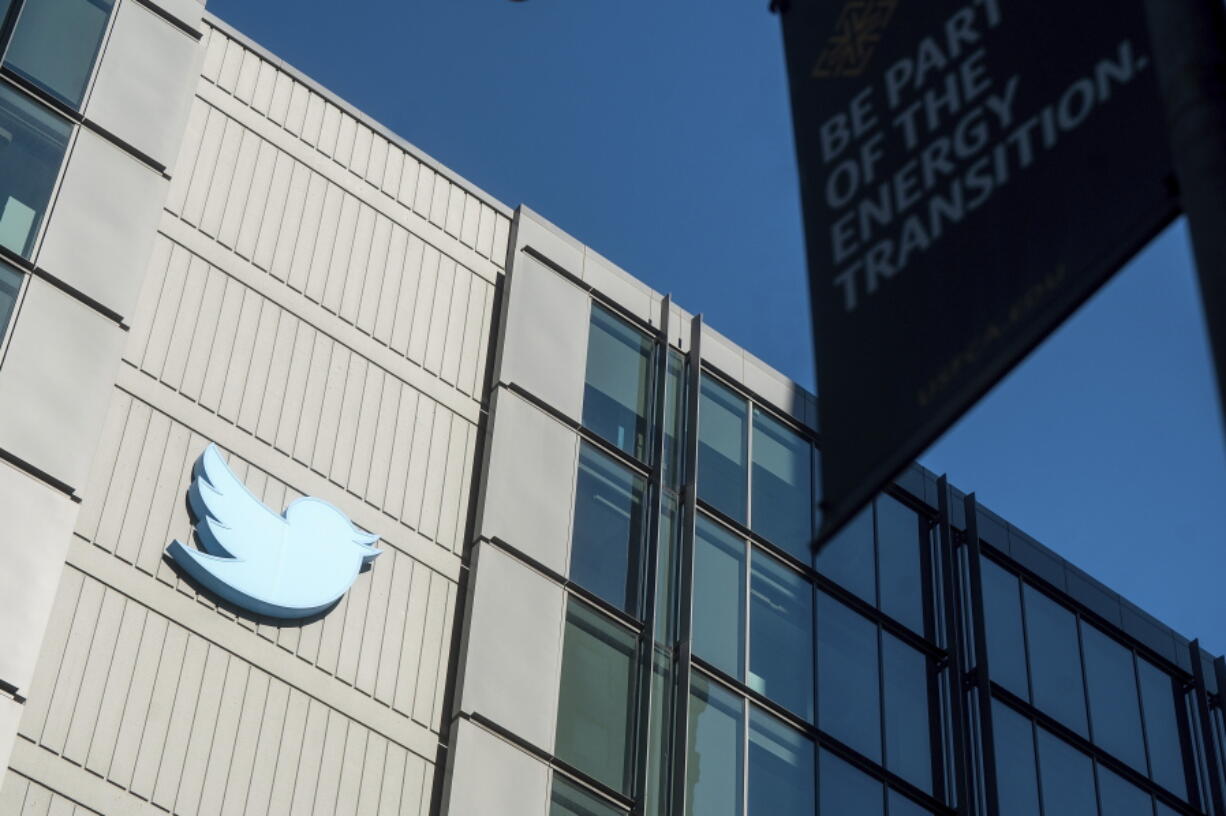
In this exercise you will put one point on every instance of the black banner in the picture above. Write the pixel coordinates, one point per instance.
(971, 171)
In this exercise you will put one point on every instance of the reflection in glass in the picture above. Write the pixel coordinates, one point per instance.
(719, 597)
(666, 571)
(722, 439)
(674, 420)
(1016, 778)
(713, 768)
(597, 698)
(780, 768)
(606, 548)
(844, 790)
(55, 44)
(32, 145)
(1066, 777)
(1115, 709)
(660, 744)
(617, 390)
(900, 562)
(908, 747)
(10, 287)
(902, 806)
(782, 486)
(849, 559)
(847, 679)
(1118, 797)
(568, 799)
(1055, 660)
(1162, 728)
(1002, 612)
(781, 635)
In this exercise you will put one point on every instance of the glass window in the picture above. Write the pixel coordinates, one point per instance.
(847, 677)
(849, 559)
(780, 768)
(782, 486)
(1055, 660)
(10, 287)
(722, 440)
(908, 738)
(1016, 778)
(1002, 612)
(617, 388)
(666, 572)
(674, 420)
(660, 743)
(32, 145)
(719, 597)
(781, 635)
(55, 43)
(1115, 709)
(845, 790)
(1162, 728)
(900, 560)
(568, 799)
(1066, 777)
(606, 547)
(902, 806)
(713, 768)
(1118, 797)
(1161, 809)
(597, 699)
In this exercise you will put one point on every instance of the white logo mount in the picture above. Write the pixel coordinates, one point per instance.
(287, 566)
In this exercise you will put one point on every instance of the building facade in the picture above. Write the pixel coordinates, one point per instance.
(596, 594)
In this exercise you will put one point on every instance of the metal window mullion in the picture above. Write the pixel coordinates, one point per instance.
(982, 678)
(1206, 726)
(953, 617)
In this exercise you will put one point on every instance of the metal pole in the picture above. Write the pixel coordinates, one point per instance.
(1189, 42)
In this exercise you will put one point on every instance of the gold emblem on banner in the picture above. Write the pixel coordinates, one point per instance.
(850, 49)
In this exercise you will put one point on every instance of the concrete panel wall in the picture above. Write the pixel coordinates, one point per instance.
(20, 796)
(490, 775)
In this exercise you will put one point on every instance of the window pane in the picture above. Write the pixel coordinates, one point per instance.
(1162, 728)
(908, 736)
(1015, 772)
(617, 391)
(713, 768)
(55, 43)
(849, 558)
(719, 597)
(902, 806)
(900, 554)
(1118, 797)
(10, 286)
(845, 790)
(782, 486)
(1164, 810)
(781, 635)
(596, 702)
(780, 768)
(1067, 778)
(1115, 708)
(1002, 612)
(606, 548)
(847, 680)
(722, 473)
(666, 572)
(674, 420)
(1055, 660)
(32, 145)
(568, 799)
(660, 743)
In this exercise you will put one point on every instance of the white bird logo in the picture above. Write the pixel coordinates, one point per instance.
(288, 566)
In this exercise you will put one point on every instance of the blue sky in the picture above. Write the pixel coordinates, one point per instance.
(658, 133)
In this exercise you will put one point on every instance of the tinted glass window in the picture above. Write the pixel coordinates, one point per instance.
(713, 768)
(596, 700)
(674, 420)
(1162, 728)
(660, 747)
(781, 635)
(845, 790)
(902, 806)
(666, 572)
(1055, 660)
(568, 799)
(1016, 778)
(606, 548)
(1118, 797)
(10, 286)
(1066, 777)
(722, 440)
(617, 390)
(1002, 612)
(847, 681)
(32, 145)
(719, 597)
(908, 738)
(780, 768)
(1115, 709)
(849, 559)
(55, 44)
(782, 486)
(900, 555)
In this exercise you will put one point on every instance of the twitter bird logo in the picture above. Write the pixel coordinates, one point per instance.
(286, 566)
